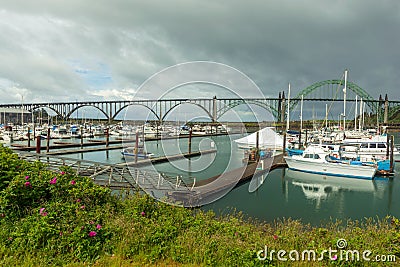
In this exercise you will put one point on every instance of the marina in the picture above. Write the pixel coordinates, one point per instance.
(204, 164)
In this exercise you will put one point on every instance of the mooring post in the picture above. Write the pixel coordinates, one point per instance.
(48, 140)
(29, 136)
(387, 145)
(107, 136)
(136, 146)
(257, 145)
(81, 137)
(38, 145)
(190, 141)
(300, 144)
(284, 143)
(391, 154)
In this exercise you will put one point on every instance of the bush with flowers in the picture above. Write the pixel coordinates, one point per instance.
(55, 213)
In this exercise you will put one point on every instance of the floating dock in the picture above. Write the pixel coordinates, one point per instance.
(206, 191)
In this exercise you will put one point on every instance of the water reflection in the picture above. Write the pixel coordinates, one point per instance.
(320, 188)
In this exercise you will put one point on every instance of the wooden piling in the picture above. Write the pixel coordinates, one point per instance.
(107, 136)
(38, 144)
(300, 145)
(136, 146)
(387, 146)
(29, 137)
(48, 140)
(190, 141)
(391, 153)
(257, 146)
(284, 143)
(81, 137)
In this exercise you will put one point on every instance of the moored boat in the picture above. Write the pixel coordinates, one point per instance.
(316, 160)
(141, 153)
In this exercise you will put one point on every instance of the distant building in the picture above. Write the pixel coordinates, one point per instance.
(14, 115)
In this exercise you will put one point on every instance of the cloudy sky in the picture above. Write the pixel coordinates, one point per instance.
(86, 50)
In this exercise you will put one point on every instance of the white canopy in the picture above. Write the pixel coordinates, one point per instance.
(268, 138)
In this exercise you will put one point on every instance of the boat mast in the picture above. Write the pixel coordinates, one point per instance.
(288, 104)
(22, 110)
(326, 116)
(355, 116)
(344, 100)
(361, 115)
(301, 114)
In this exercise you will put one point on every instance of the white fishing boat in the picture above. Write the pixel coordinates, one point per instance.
(316, 160)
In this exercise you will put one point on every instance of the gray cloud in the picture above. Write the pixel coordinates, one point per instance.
(54, 49)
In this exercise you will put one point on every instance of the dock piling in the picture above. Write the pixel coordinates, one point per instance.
(391, 154)
(48, 140)
(190, 141)
(29, 136)
(38, 144)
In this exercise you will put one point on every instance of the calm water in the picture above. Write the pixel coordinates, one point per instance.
(284, 193)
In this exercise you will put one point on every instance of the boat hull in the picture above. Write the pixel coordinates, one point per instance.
(332, 169)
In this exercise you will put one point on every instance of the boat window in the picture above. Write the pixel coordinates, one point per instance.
(316, 156)
(372, 145)
(364, 145)
(308, 156)
(381, 145)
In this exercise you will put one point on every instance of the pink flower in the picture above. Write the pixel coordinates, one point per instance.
(2, 215)
(92, 233)
(27, 184)
(275, 237)
(73, 182)
(83, 207)
(62, 173)
(61, 233)
(98, 227)
(143, 213)
(334, 257)
(78, 200)
(42, 212)
(53, 181)
(27, 177)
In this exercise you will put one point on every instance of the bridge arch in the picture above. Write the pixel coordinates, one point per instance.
(211, 112)
(263, 104)
(35, 107)
(134, 104)
(350, 85)
(187, 102)
(81, 106)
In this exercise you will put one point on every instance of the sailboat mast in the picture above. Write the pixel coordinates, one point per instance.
(355, 116)
(326, 116)
(344, 100)
(301, 114)
(361, 112)
(288, 115)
